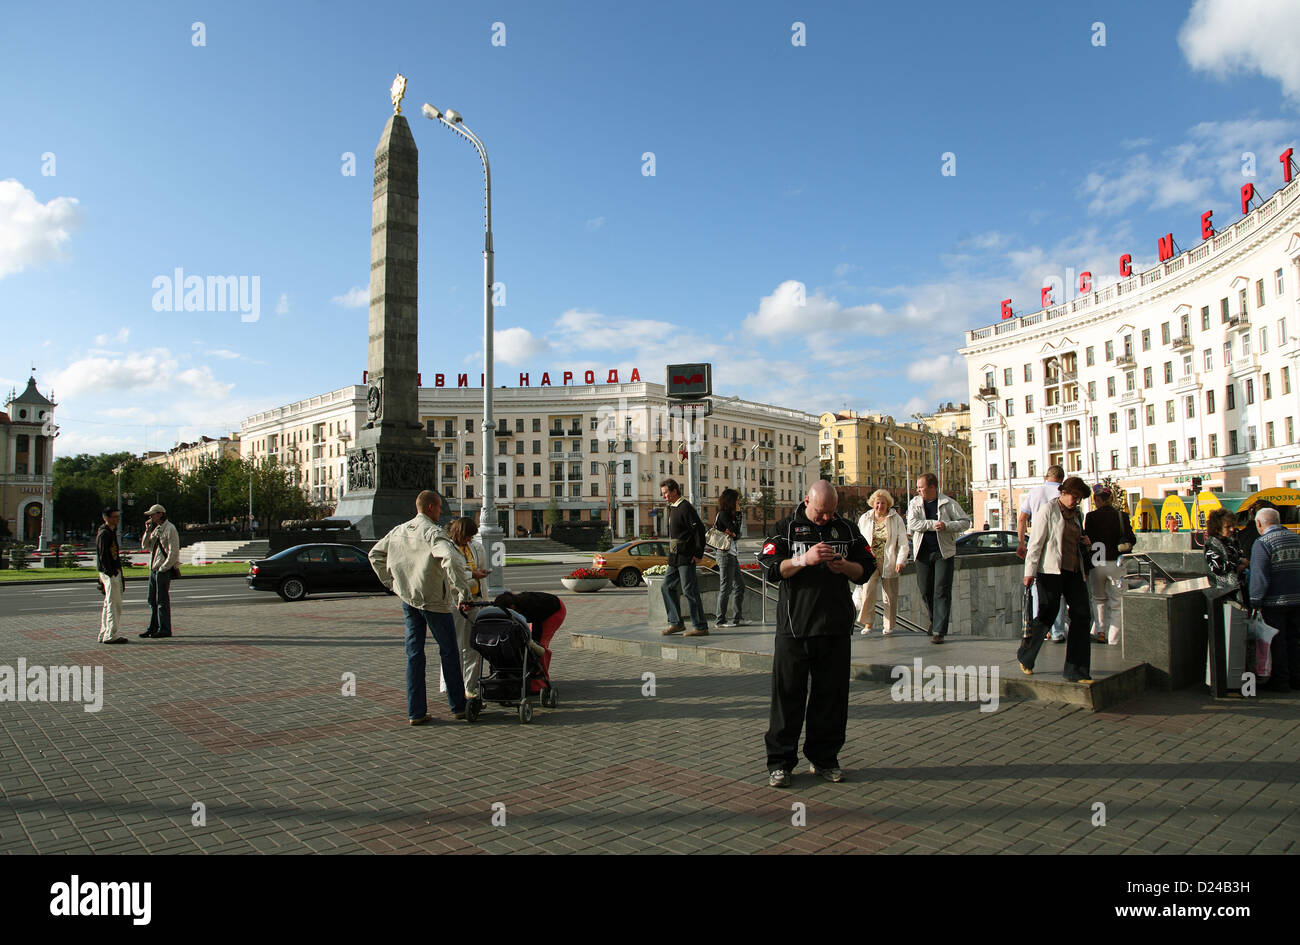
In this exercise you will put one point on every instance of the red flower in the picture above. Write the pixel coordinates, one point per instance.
(585, 573)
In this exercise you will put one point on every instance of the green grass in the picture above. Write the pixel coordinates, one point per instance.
(9, 575)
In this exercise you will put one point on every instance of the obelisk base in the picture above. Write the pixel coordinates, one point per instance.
(383, 481)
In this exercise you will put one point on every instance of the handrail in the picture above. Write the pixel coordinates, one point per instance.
(1152, 567)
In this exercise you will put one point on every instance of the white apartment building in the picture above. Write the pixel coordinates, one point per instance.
(593, 449)
(1191, 368)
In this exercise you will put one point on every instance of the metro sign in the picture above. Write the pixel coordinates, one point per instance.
(688, 381)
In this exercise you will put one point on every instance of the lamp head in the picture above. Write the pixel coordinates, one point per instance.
(453, 116)
(429, 111)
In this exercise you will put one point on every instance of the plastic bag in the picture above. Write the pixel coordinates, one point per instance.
(1257, 629)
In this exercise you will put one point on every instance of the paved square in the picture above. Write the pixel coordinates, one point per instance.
(244, 712)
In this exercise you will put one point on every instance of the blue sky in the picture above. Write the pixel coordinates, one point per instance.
(776, 166)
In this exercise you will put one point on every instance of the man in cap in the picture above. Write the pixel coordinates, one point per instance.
(163, 543)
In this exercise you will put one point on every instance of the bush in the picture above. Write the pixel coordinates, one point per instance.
(19, 555)
(605, 542)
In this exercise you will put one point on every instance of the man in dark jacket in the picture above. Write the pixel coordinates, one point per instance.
(813, 555)
(108, 560)
(1275, 593)
(685, 550)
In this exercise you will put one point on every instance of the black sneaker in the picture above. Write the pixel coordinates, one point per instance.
(779, 777)
(827, 774)
(117, 640)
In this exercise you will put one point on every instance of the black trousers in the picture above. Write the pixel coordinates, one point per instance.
(1078, 642)
(934, 578)
(1286, 645)
(824, 661)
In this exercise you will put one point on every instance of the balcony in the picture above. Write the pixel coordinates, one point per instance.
(1069, 377)
(1188, 381)
(988, 393)
(1125, 361)
(1240, 320)
(1067, 409)
(1243, 365)
(1130, 397)
(504, 431)
(1182, 343)
(1072, 444)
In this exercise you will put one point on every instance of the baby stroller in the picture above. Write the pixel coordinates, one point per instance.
(501, 637)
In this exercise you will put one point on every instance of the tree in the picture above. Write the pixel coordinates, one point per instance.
(77, 507)
(552, 515)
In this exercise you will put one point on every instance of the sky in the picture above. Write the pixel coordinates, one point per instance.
(818, 198)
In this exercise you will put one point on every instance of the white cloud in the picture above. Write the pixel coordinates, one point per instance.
(149, 373)
(223, 353)
(282, 307)
(1227, 37)
(32, 232)
(790, 310)
(595, 224)
(355, 297)
(844, 269)
(517, 345)
(103, 341)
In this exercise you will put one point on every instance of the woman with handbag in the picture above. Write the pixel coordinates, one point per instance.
(1056, 559)
(1223, 555)
(886, 533)
(728, 554)
(1112, 535)
(463, 532)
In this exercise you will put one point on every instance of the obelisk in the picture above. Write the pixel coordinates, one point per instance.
(391, 460)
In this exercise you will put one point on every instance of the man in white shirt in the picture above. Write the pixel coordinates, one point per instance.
(1034, 500)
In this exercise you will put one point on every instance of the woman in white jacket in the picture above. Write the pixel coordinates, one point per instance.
(886, 533)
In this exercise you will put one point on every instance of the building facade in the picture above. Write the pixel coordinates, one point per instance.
(595, 451)
(1186, 369)
(27, 456)
(187, 457)
(950, 420)
(873, 451)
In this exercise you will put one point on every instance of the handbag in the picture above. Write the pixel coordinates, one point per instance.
(717, 540)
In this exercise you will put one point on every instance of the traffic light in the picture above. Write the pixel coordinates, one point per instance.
(1196, 485)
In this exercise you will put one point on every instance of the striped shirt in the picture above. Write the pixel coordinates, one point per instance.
(1275, 569)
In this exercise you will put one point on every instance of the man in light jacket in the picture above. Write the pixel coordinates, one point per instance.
(418, 563)
(935, 521)
(163, 543)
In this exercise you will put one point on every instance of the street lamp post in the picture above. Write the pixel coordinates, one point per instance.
(906, 459)
(488, 527)
(966, 464)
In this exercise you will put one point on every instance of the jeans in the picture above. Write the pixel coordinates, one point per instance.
(730, 585)
(934, 578)
(684, 575)
(160, 602)
(443, 628)
(1078, 644)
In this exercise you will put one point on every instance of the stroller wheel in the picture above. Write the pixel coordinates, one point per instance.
(525, 712)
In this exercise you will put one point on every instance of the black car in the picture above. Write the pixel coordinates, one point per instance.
(992, 541)
(303, 569)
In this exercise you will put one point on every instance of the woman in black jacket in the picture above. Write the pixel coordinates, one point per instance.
(1223, 555)
(730, 585)
(1111, 535)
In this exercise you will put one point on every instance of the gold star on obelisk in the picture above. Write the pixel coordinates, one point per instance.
(397, 92)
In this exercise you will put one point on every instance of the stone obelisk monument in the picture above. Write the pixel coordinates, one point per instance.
(391, 461)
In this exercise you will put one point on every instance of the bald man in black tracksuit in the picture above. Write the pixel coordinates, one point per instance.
(814, 555)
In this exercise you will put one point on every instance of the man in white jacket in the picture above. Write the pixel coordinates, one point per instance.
(418, 562)
(163, 543)
(935, 522)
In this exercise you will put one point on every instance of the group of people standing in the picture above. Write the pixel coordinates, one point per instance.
(161, 539)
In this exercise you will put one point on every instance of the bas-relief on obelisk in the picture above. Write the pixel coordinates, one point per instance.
(391, 461)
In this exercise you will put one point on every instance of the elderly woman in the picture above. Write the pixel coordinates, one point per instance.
(462, 532)
(886, 533)
(1055, 560)
(1223, 555)
(1112, 535)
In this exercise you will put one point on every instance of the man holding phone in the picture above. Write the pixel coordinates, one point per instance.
(813, 556)
(163, 543)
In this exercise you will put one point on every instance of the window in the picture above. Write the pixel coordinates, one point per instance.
(519, 425)
(1169, 411)
(1128, 346)
(1132, 418)
(1128, 379)
(1132, 455)
(1146, 337)
(1268, 427)
(469, 492)
(1259, 293)
(993, 442)
(1277, 282)
(537, 425)
(1114, 423)
(1263, 341)
(1209, 359)
(1189, 406)
(993, 470)
(1223, 311)
(519, 490)
(1114, 459)
(501, 490)
(1205, 318)
(519, 469)
(1006, 377)
(1152, 459)
(1110, 387)
(1033, 468)
(1185, 326)
(595, 446)
(1191, 448)
(1013, 471)
(1011, 406)
(627, 467)
(1151, 414)
(1268, 386)
(992, 409)
(1173, 451)
(1241, 301)
(1029, 403)
(1281, 331)
(1029, 438)
(1230, 398)
(469, 447)
(1089, 355)
(1187, 365)
(1227, 353)
(1146, 378)
(519, 447)
(1110, 351)
(537, 490)
(1232, 441)
(501, 469)
(537, 446)
(1164, 333)
(537, 469)
(1029, 373)
(1286, 380)
(1290, 430)
(1169, 372)
(1250, 391)
(1092, 390)
(1011, 439)
(1245, 344)
(627, 488)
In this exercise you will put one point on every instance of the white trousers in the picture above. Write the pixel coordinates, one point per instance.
(111, 616)
(469, 658)
(1104, 581)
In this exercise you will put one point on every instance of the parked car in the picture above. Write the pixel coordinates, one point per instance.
(990, 542)
(304, 569)
(623, 564)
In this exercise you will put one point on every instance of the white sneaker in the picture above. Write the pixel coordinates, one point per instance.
(865, 630)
